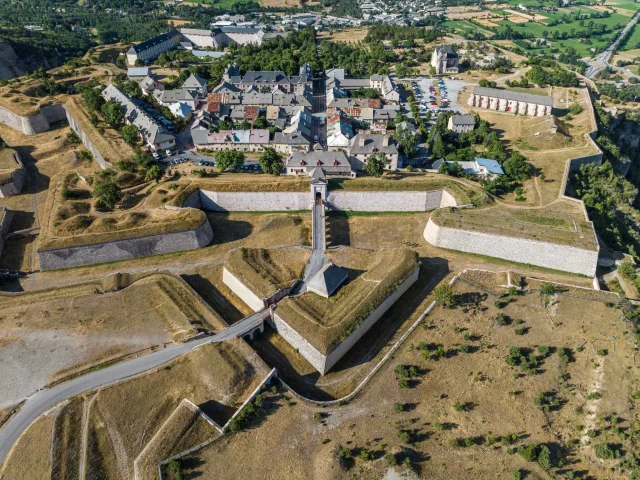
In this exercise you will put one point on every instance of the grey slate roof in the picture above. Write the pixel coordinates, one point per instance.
(151, 131)
(141, 47)
(294, 138)
(173, 96)
(194, 81)
(326, 159)
(463, 120)
(372, 144)
(327, 280)
(265, 77)
(516, 96)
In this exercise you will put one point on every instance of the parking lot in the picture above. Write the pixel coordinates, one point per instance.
(185, 161)
(437, 95)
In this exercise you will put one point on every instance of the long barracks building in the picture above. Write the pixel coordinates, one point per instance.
(513, 102)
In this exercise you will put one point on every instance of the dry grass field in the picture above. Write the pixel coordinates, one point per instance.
(265, 271)
(8, 164)
(280, 3)
(54, 333)
(348, 35)
(465, 410)
(216, 377)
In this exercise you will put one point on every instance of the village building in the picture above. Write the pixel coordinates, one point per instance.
(339, 132)
(334, 163)
(196, 84)
(509, 101)
(445, 60)
(149, 84)
(239, 140)
(154, 47)
(461, 123)
(480, 167)
(364, 145)
(153, 134)
(169, 97)
(136, 74)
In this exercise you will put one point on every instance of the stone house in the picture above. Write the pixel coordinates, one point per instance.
(334, 163)
(364, 145)
(461, 123)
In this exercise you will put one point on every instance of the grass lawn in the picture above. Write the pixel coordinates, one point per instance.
(633, 41)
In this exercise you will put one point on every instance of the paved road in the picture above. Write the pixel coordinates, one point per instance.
(601, 61)
(43, 400)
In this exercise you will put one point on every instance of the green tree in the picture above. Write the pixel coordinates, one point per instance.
(154, 172)
(92, 99)
(129, 134)
(376, 164)
(438, 149)
(271, 162)
(112, 113)
(107, 192)
(444, 295)
(229, 160)
(517, 168)
(407, 140)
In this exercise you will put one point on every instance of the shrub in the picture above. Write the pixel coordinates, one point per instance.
(406, 371)
(547, 401)
(391, 459)
(521, 331)
(593, 396)
(543, 350)
(443, 295)
(606, 451)
(565, 354)
(547, 289)
(502, 319)
(366, 454)
(404, 436)
(464, 348)
(602, 352)
(403, 383)
(528, 452)
(513, 291)
(398, 407)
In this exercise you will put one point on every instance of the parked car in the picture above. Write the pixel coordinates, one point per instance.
(156, 155)
(169, 153)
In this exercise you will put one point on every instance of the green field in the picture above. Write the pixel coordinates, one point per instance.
(633, 41)
(463, 26)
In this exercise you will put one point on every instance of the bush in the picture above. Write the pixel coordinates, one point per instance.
(528, 452)
(391, 459)
(565, 355)
(444, 296)
(547, 401)
(464, 348)
(404, 436)
(606, 451)
(547, 289)
(543, 350)
(502, 319)
(602, 352)
(398, 407)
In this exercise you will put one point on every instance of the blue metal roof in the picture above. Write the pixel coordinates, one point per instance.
(492, 166)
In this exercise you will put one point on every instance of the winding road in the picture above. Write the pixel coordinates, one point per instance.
(43, 400)
(601, 61)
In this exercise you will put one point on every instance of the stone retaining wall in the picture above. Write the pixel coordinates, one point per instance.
(86, 141)
(33, 124)
(18, 176)
(543, 254)
(321, 362)
(126, 249)
(5, 222)
(242, 291)
(255, 201)
(389, 201)
(369, 201)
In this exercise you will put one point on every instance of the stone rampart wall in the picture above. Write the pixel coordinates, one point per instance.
(308, 351)
(368, 322)
(388, 201)
(14, 187)
(5, 223)
(33, 124)
(86, 141)
(242, 291)
(522, 250)
(126, 249)
(255, 201)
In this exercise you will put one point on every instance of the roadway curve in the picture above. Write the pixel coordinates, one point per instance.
(601, 61)
(43, 400)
